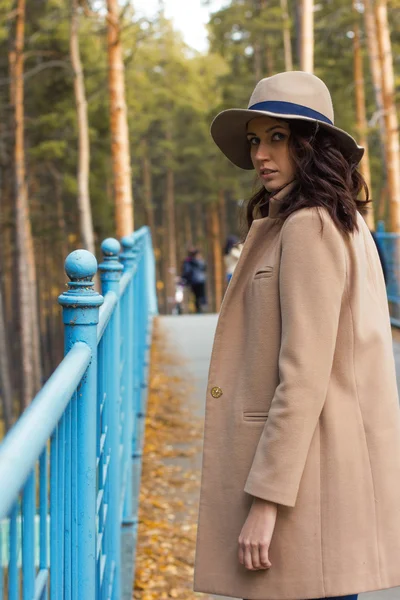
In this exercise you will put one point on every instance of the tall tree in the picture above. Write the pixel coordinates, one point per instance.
(375, 68)
(215, 231)
(5, 379)
(84, 207)
(170, 232)
(22, 219)
(147, 187)
(307, 36)
(390, 113)
(257, 46)
(119, 125)
(360, 108)
(287, 43)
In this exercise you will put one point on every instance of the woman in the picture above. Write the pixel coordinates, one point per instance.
(232, 252)
(300, 495)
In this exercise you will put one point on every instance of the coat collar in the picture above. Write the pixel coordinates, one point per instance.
(274, 208)
(256, 237)
(275, 202)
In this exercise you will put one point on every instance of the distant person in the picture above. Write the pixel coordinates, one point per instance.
(194, 275)
(179, 294)
(232, 253)
(300, 486)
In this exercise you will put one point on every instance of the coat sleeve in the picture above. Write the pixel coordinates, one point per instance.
(312, 280)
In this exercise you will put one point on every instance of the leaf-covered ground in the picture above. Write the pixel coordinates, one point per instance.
(170, 482)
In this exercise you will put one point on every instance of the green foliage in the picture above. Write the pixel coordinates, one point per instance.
(172, 94)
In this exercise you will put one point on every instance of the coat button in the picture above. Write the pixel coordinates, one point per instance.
(216, 392)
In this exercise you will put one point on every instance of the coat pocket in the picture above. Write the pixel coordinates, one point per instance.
(255, 416)
(264, 273)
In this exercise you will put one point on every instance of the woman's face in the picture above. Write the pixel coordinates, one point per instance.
(269, 151)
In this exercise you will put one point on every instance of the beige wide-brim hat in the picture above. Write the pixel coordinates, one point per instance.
(290, 95)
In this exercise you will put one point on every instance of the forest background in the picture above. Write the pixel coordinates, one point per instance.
(56, 59)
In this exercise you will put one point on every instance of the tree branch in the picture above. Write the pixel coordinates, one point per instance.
(48, 65)
(87, 11)
(39, 53)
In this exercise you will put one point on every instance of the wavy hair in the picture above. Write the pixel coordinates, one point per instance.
(324, 178)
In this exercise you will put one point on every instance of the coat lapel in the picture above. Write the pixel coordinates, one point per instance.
(256, 243)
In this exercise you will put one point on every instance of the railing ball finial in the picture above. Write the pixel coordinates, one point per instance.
(127, 243)
(111, 248)
(111, 268)
(127, 256)
(81, 266)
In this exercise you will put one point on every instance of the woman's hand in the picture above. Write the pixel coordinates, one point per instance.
(255, 537)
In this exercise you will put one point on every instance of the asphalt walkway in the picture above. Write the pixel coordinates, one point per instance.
(192, 336)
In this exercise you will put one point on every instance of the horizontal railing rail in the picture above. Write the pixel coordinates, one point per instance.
(70, 467)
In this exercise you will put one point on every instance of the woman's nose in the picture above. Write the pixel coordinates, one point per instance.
(263, 152)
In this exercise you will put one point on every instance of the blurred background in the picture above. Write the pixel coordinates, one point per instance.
(104, 127)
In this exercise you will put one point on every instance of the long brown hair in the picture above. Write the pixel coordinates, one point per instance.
(324, 178)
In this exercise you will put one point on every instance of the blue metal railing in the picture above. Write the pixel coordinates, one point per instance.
(70, 467)
(389, 244)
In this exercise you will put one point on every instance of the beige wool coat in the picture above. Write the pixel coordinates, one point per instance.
(302, 410)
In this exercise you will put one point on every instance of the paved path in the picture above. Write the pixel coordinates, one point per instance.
(192, 336)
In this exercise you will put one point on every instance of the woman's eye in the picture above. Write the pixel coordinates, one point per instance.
(278, 136)
(254, 141)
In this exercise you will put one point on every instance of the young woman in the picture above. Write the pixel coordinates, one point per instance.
(300, 495)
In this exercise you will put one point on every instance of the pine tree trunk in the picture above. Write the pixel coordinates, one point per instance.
(270, 61)
(391, 122)
(287, 44)
(217, 254)
(257, 46)
(374, 61)
(361, 112)
(269, 57)
(222, 215)
(84, 208)
(170, 232)
(21, 210)
(199, 230)
(307, 36)
(60, 217)
(210, 260)
(5, 379)
(257, 61)
(181, 243)
(187, 226)
(7, 212)
(34, 306)
(383, 203)
(119, 125)
(148, 188)
(42, 300)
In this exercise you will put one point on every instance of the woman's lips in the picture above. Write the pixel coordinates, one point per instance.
(268, 174)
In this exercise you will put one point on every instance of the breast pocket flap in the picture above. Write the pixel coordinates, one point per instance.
(264, 272)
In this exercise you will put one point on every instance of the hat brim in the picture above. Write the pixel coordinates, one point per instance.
(228, 131)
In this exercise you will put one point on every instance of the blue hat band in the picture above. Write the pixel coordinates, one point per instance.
(289, 108)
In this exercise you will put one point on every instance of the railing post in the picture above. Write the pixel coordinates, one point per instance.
(110, 274)
(81, 315)
(151, 276)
